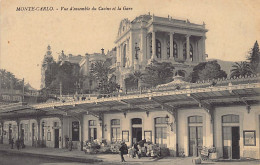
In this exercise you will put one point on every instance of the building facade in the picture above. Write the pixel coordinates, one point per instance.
(150, 37)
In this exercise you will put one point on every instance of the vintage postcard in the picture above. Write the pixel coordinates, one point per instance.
(135, 81)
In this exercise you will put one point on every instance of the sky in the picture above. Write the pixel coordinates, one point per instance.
(233, 27)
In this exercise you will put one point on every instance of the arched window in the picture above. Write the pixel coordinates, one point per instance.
(168, 49)
(161, 132)
(191, 53)
(185, 54)
(115, 130)
(175, 50)
(151, 48)
(230, 119)
(92, 130)
(124, 55)
(158, 49)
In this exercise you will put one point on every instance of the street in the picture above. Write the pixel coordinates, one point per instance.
(18, 159)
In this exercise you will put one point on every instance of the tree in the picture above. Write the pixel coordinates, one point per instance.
(9, 81)
(254, 58)
(158, 73)
(134, 80)
(207, 71)
(62, 73)
(102, 73)
(241, 69)
(194, 76)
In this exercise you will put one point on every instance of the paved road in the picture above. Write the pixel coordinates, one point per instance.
(17, 159)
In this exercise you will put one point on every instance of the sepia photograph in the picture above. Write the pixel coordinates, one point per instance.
(136, 82)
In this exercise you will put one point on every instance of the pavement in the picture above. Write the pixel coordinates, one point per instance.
(113, 159)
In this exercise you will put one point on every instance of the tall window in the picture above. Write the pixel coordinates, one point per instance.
(175, 50)
(161, 131)
(158, 49)
(115, 130)
(124, 55)
(151, 47)
(43, 125)
(92, 130)
(185, 54)
(191, 53)
(75, 131)
(168, 49)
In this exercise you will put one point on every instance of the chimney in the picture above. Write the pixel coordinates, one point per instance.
(102, 51)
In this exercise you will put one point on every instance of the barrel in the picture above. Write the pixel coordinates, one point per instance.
(196, 160)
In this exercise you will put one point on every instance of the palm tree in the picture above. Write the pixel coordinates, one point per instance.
(134, 80)
(102, 72)
(241, 69)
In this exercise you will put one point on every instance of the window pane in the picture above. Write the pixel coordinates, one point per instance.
(192, 119)
(199, 119)
(115, 122)
(235, 119)
(230, 119)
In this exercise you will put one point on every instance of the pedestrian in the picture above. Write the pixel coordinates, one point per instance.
(136, 149)
(123, 150)
(12, 143)
(70, 145)
(17, 144)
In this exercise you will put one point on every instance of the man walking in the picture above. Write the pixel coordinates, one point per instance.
(123, 150)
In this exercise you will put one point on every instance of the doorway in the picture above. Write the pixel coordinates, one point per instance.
(136, 134)
(231, 137)
(195, 140)
(137, 131)
(195, 130)
(56, 138)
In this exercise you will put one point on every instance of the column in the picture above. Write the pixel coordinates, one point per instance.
(127, 54)
(81, 124)
(62, 136)
(171, 45)
(188, 47)
(118, 54)
(142, 51)
(131, 57)
(38, 131)
(203, 38)
(153, 46)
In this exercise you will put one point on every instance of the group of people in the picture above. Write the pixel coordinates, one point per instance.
(135, 148)
(19, 143)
